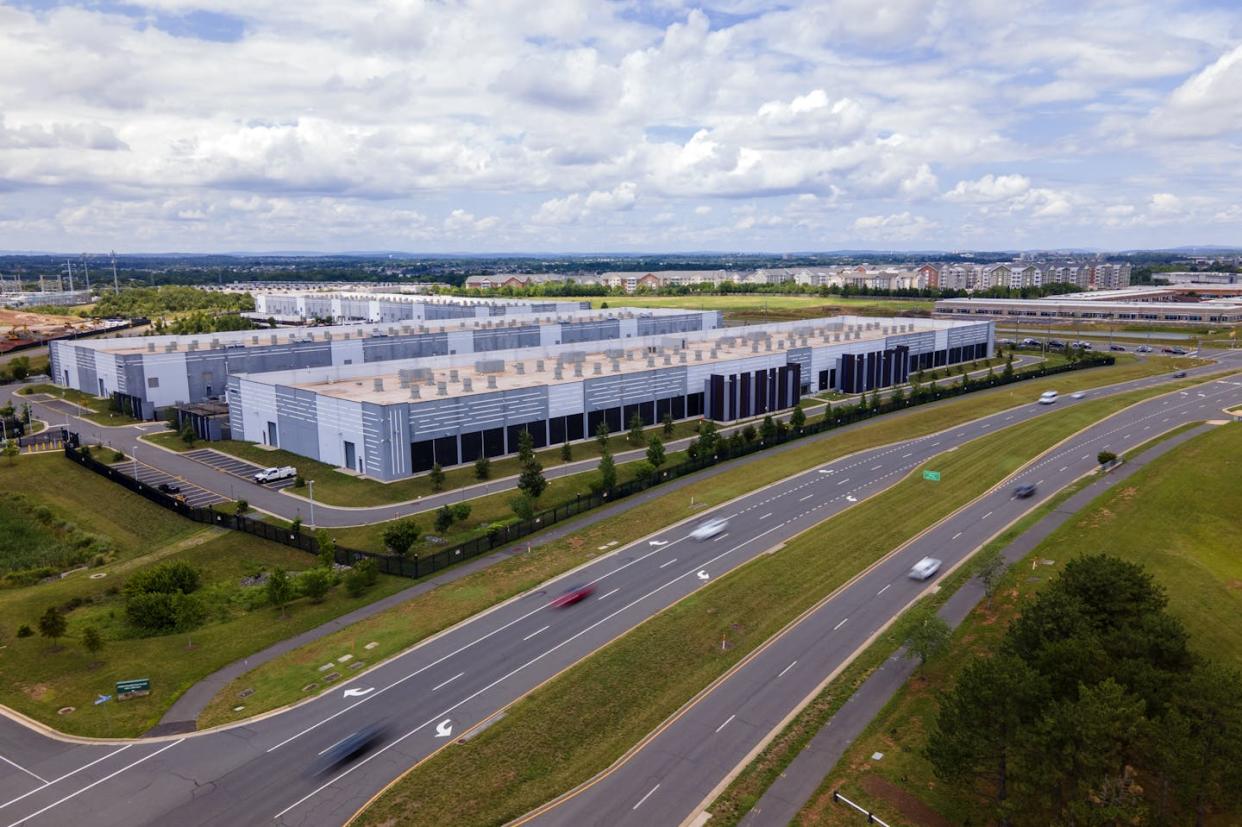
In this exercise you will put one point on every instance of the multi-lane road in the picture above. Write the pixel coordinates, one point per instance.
(265, 771)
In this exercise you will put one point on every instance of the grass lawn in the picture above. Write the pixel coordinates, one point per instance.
(758, 307)
(334, 487)
(1194, 557)
(101, 414)
(278, 682)
(38, 678)
(576, 725)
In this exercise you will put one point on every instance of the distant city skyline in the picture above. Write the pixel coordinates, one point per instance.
(664, 126)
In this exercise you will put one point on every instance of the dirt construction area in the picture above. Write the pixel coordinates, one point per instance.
(19, 324)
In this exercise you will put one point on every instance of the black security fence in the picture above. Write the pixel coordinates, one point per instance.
(502, 534)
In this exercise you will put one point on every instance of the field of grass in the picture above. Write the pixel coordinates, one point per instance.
(334, 487)
(1193, 556)
(757, 307)
(583, 720)
(100, 414)
(38, 677)
(278, 682)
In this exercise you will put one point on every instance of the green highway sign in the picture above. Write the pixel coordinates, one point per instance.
(132, 688)
(934, 476)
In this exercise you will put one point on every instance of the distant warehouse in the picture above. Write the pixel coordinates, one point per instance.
(1054, 310)
(390, 420)
(395, 307)
(148, 373)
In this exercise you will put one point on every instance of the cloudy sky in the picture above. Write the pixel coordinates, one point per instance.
(571, 125)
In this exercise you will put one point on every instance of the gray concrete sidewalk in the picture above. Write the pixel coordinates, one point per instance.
(781, 802)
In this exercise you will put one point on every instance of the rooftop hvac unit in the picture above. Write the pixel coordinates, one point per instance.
(377, 384)
(597, 368)
(441, 389)
(150, 347)
(491, 381)
(467, 385)
(489, 366)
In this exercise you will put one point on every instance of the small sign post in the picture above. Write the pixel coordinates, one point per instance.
(134, 688)
(933, 476)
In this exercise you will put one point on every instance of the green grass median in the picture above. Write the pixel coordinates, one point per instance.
(579, 723)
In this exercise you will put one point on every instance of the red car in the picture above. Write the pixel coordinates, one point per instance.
(574, 595)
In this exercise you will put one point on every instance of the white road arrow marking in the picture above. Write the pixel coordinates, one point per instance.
(445, 728)
(354, 693)
(703, 575)
(823, 471)
(851, 499)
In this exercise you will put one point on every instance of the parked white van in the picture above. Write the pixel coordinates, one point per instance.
(1047, 397)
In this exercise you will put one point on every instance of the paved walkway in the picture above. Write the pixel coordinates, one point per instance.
(782, 801)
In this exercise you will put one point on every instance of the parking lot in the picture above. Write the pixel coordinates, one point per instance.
(239, 468)
(154, 477)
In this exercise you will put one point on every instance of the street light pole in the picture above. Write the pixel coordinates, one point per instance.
(310, 485)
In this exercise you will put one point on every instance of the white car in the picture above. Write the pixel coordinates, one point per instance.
(1077, 395)
(925, 568)
(275, 474)
(709, 529)
(1047, 397)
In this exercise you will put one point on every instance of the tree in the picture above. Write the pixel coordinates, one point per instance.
(797, 418)
(19, 368)
(482, 468)
(52, 625)
(326, 548)
(979, 725)
(607, 472)
(991, 570)
(399, 536)
(523, 506)
(655, 452)
(875, 399)
(436, 477)
(26, 415)
(601, 435)
(92, 640)
(927, 636)
(1008, 371)
(749, 434)
(898, 397)
(531, 481)
(526, 447)
(314, 584)
(668, 424)
(767, 429)
(279, 590)
(242, 507)
(296, 525)
(567, 452)
(444, 518)
(461, 511)
(187, 434)
(362, 575)
(635, 436)
(1105, 457)
(11, 450)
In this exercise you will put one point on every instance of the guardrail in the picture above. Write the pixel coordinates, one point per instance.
(417, 565)
(872, 818)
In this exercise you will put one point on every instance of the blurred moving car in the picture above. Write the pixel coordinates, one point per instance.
(1116, 347)
(169, 488)
(1181, 374)
(574, 594)
(1025, 490)
(925, 568)
(709, 529)
(1142, 349)
(1047, 397)
(1077, 395)
(352, 746)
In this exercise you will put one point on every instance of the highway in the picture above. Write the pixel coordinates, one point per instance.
(288, 505)
(264, 771)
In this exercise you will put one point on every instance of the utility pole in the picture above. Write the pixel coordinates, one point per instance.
(116, 285)
(70, 265)
(87, 271)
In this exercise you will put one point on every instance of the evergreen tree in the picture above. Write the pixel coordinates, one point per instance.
(482, 468)
(601, 435)
(636, 430)
(52, 625)
(607, 472)
(567, 452)
(655, 452)
(668, 424)
(436, 477)
(797, 418)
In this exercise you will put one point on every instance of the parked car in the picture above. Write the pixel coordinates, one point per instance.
(1047, 397)
(169, 488)
(1006, 342)
(1056, 344)
(1142, 349)
(1117, 347)
(1177, 351)
(574, 594)
(275, 474)
(1181, 374)
(924, 568)
(709, 529)
(1025, 490)
(1031, 343)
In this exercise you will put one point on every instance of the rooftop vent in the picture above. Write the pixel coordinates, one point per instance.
(415, 393)
(454, 376)
(441, 389)
(150, 347)
(577, 368)
(539, 365)
(698, 356)
(557, 373)
(597, 368)
(520, 367)
(378, 384)
(491, 380)
(467, 384)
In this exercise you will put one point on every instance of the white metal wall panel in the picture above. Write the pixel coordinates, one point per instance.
(565, 399)
(339, 420)
(174, 380)
(105, 369)
(347, 352)
(258, 408)
(461, 341)
(629, 328)
(549, 334)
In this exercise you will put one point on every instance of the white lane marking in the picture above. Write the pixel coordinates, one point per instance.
(1063, 467)
(464, 647)
(611, 593)
(66, 775)
(23, 769)
(844, 481)
(881, 591)
(877, 468)
(325, 749)
(839, 625)
(645, 797)
(510, 674)
(545, 628)
(721, 537)
(781, 674)
(447, 682)
(77, 793)
(1041, 482)
(985, 516)
(955, 536)
(726, 723)
(807, 497)
(669, 563)
(1085, 456)
(903, 456)
(765, 516)
(934, 444)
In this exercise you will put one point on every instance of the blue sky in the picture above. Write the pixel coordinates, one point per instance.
(580, 126)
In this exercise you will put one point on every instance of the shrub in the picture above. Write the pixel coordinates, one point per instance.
(173, 576)
(482, 468)
(242, 507)
(361, 577)
(400, 536)
(461, 511)
(436, 477)
(25, 631)
(1105, 457)
(523, 506)
(315, 584)
(296, 525)
(164, 612)
(118, 456)
(444, 518)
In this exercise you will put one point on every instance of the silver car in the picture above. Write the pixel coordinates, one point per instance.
(925, 568)
(709, 529)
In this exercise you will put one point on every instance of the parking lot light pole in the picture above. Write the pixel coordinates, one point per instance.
(310, 487)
